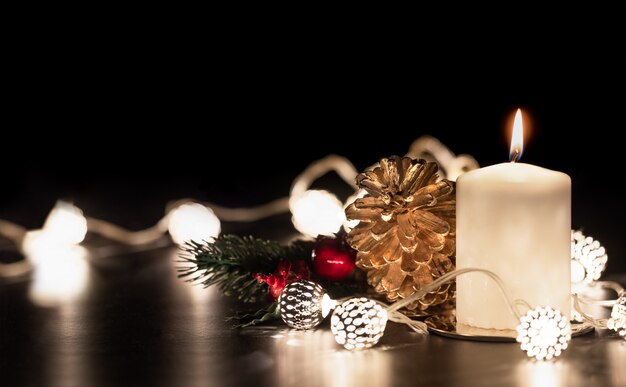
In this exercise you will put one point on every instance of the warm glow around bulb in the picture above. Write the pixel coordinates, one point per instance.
(350, 224)
(578, 272)
(64, 228)
(60, 275)
(316, 212)
(517, 138)
(193, 221)
(66, 224)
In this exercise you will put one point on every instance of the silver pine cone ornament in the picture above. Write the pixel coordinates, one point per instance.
(406, 234)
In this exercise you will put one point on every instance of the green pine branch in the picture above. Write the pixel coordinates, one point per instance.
(247, 319)
(230, 263)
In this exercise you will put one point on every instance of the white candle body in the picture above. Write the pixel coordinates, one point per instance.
(515, 220)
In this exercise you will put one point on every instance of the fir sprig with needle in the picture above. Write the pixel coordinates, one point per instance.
(230, 262)
(256, 270)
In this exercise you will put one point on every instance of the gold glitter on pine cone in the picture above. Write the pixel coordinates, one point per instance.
(406, 236)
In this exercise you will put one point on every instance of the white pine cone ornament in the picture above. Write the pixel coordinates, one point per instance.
(406, 236)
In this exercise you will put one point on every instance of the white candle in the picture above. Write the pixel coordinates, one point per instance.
(515, 220)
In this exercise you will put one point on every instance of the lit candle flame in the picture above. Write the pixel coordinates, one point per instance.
(517, 138)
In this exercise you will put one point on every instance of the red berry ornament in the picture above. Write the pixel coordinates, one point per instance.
(333, 258)
(286, 272)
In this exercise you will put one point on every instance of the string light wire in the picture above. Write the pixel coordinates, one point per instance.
(300, 197)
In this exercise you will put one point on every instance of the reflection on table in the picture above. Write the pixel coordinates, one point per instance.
(132, 322)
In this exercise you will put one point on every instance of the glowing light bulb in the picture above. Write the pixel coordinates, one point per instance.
(304, 304)
(358, 323)
(193, 221)
(544, 333)
(64, 228)
(66, 224)
(578, 271)
(617, 322)
(589, 259)
(316, 212)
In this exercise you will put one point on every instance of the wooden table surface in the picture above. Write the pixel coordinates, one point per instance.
(136, 324)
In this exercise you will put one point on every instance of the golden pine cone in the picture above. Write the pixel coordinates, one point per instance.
(406, 236)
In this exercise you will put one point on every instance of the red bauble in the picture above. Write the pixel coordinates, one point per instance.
(333, 258)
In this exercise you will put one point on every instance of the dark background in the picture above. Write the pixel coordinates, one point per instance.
(121, 135)
(122, 115)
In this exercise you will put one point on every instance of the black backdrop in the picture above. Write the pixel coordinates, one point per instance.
(122, 141)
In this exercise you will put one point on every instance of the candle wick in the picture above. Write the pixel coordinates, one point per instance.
(515, 155)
